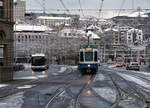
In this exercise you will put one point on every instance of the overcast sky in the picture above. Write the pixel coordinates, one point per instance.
(94, 4)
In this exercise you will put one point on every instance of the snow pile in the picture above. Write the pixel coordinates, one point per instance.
(42, 76)
(107, 93)
(3, 85)
(14, 101)
(25, 86)
(26, 78)
(63, 69)
(100, 77)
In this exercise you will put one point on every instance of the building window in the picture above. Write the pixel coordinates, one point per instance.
(69, 34)
(65, 34)
(1, 9)
(18, 40)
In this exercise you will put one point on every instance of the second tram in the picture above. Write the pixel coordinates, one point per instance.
(88, 60)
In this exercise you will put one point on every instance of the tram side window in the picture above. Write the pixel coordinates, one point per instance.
(81, 57)
(95, 56)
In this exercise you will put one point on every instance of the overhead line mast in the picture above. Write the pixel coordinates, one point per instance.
(100, 10)
(121, 7)
(81, 7)
(44, 7)
(61, 1)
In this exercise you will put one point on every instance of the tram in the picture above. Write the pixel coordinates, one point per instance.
(39, 62)
(88, 60)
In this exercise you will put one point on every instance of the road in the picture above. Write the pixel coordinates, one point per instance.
(65, 87)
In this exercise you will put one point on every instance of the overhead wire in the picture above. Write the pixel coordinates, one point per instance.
(122, 4)
(81, 7)
(100, 10)
(61, 1)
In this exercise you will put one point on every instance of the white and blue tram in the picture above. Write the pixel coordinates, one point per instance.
(88, 60)
(39, 62)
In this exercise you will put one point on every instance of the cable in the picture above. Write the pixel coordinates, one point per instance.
(88, 10)
(61, 1)
(122, 4)
(100, 10)
(38, 2)
(81, 7)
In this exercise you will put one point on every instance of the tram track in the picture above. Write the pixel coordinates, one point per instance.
(123, 93)
(14, 88)
(63, 89)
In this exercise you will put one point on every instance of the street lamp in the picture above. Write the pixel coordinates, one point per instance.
(15, 4)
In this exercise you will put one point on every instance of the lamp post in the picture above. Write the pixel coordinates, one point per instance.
(15, 3)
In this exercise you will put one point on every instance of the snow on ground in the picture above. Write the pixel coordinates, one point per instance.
(74, 67)
(31, 77)
(123, 69)
(3, 85)
(62, 69)
(25, 86)
(42, 76)
(14, 101)
(135, 80)
(107, 93)
(100, 77)
(111, 66)
(27, 77)
(27, 65)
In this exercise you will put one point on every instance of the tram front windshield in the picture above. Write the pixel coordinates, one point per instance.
(38, 61)
(88, 56)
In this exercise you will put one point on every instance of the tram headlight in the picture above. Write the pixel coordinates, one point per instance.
(89, 65)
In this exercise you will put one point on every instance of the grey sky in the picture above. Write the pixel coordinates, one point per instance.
(94, 4)
(88, 3)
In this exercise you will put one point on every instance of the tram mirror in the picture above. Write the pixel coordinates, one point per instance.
(95, 56)
(81, 57)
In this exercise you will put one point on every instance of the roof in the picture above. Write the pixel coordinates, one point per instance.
(56, 18)
(137, 14)
(27, 27)
(93, 35)
(38, 54)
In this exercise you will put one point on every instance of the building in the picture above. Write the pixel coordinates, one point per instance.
(6, 40)
(31, 39)
(19, 10)
(134, 37)
(54, 21)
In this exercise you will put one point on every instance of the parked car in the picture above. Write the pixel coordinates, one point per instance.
(133, 66)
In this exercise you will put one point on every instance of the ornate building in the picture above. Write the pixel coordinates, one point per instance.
(6, 40)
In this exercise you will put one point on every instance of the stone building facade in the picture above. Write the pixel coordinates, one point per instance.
(6, 40)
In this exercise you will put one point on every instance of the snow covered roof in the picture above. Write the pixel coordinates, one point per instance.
(55, 18)
(27, 27)
(38, 54)
(133, 29)
(93, 35)
(137, 14)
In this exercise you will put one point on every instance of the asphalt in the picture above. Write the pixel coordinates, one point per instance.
(11, 85)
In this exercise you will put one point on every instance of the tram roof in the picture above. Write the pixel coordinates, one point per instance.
(89, 46)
